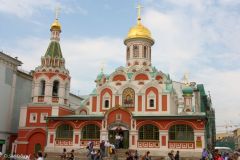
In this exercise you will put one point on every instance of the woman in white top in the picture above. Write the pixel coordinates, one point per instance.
(40, 156)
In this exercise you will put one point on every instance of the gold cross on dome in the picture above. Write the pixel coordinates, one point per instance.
(139, 7)
(57, 12)
(102, 67)
(186, 79)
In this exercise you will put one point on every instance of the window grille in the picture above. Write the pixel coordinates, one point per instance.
(148, 132)
(91, 131)
(181, 132)
(64, 131)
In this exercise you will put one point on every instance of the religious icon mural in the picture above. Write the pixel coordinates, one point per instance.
(128, 97)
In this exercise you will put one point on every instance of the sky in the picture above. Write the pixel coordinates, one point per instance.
(198, 37)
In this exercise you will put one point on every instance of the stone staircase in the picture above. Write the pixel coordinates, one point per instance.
(82, 155)
(120, 155)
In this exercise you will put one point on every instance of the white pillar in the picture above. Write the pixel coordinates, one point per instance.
(163, 133)
(48, 92)
(199, 134)
(61, 94)
(133, 134)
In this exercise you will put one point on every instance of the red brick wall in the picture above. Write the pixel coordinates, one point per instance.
(126, 117)
(38, 110)
(164, 102)
(117, 100)
(94, 104)
(139, 103)
(64, 111)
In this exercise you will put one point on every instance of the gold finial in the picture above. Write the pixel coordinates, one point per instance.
(102, 67)
(186, 79)
(57, 11)
(139, 7)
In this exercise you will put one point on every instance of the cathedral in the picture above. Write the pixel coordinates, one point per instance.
(139, 102)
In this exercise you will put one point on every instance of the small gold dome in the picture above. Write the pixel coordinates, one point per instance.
(56, 25)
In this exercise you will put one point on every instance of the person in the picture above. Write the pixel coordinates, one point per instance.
(146, 156)
(177, 157)
(129, 156)
(102, 148)
(136, 155)
(40, 156)
(226, 156)
(13, 156)
(117, 140)
(93, 154)
(121, 141)
(111, 149)
(107, 145)
(90, 148)
(204, 154)
(64, 154)
(71, 155)
(98, 155)
(169, 156)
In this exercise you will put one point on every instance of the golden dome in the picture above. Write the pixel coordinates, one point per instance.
(139, 31)
(56, 25)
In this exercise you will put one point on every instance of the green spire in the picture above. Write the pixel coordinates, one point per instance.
(54, 50)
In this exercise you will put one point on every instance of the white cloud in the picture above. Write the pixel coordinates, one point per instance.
(27, 8)
(203, 41)
(84, 57)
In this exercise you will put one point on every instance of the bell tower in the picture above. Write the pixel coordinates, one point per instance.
(138, 44)
(51, 80)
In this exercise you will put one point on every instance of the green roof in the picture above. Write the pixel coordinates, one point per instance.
(129, 75)
(203, 95)
(54, 50)
(99, 76)
(94, 92)
(200, 87)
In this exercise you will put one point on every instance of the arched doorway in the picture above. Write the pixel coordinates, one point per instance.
(119, 124)
(36, 143)
(118, 134)
(37, 148)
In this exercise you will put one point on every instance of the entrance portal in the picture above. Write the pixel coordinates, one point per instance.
(37, 148)
(119, 136)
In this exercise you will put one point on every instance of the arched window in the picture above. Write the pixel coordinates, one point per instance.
(181, 132)
(148, 132)
(42, 88)
(128, 96)
(64, 131)
(83, 112)
(55, 88)
(152, 99)
(106, 100)
(151, 103)
(135, 51)
(128, 53)
(106, 104)
(91, 131)
(144, 52)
